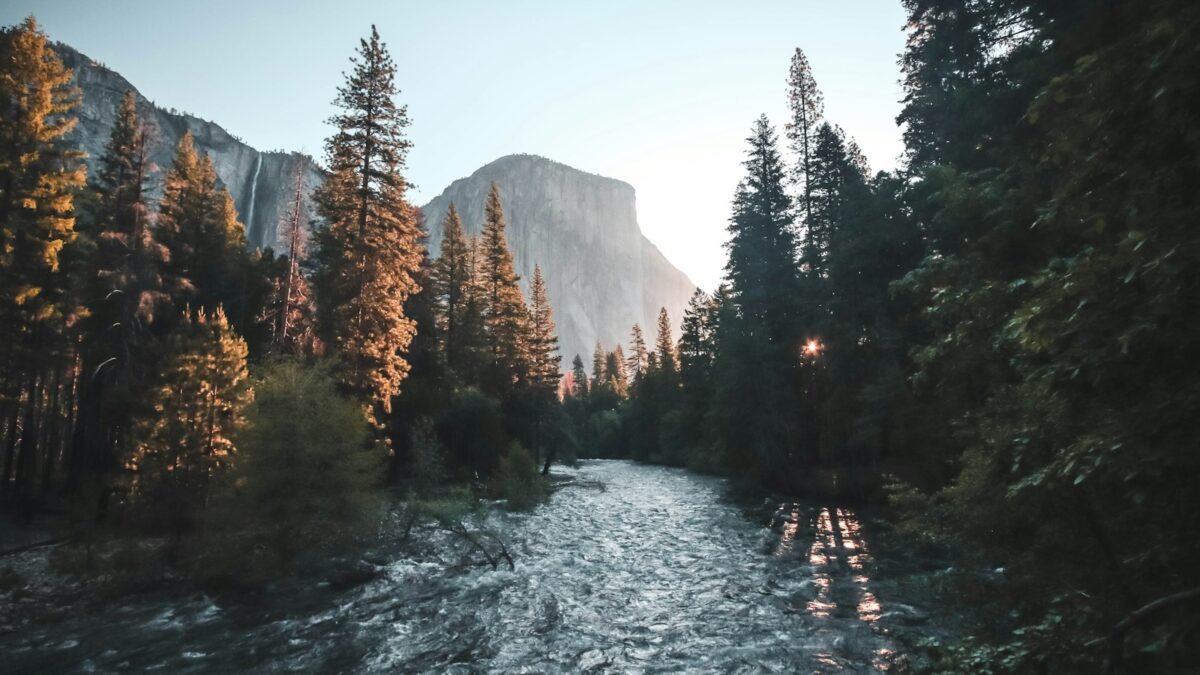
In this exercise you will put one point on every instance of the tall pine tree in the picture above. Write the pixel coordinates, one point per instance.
(807, 108)
(369, 251)
(452, 289)
(757, 393)
(504, 312)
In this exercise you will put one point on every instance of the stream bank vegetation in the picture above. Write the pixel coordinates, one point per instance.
(995, 342)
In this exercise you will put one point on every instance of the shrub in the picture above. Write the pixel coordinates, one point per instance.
(307, 477)
(518, 480)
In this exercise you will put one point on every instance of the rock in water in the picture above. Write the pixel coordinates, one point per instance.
(602, 274)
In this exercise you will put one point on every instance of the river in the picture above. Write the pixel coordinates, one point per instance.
(628, 568)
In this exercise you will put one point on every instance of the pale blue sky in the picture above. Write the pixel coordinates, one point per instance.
(658, 94)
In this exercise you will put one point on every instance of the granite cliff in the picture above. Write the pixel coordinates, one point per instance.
(602, 274)
(261, 183)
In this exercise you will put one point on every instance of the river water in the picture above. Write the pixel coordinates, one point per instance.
(628, 568)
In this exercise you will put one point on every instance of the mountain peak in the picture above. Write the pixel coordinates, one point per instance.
(602, 274)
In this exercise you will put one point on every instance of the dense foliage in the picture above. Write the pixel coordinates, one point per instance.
(999, 335)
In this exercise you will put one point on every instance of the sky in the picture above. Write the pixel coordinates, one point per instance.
(656, 93)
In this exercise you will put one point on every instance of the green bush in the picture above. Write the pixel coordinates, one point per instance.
(306, 480)
(518, 480)
(473, 429)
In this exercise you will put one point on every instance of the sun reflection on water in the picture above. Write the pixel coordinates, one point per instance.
(840, 559)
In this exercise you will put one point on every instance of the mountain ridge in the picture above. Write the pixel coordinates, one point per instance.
(623, 280)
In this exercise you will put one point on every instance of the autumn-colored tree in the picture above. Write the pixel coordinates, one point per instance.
(615, 366)
(198, 405)
(40, 173)
(638, 359)
(291, 306)
(197, 224)
(369, 251)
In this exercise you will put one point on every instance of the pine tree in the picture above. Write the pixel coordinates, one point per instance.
(40, 173)
(638, 361)
(305, 484)
(600, 376)
(369, 251)
(199, 402)
(697, 352)
(474, 345)
(695, 342)
(807, 108)
(505, 315)
(292, 305)
(206, 261)
(832, 174)
(542, 340)
(579, 379)
(123, 290)
(664, 345)
(451, 283)
(758, 392)
(615, 365)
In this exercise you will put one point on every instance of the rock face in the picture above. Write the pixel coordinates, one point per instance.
(262, 183)
(602, 274)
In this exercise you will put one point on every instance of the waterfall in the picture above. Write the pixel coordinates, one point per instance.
(253, 196)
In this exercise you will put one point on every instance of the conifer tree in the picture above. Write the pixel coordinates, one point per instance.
(199, 401)
(123, 290)
(832, 171)
(369, 251)
(541, 344)
(305, 483)
(758, 392)
(452, 280)
(504, 312)
(695, 342)
(543, 341)
(40, 173)
(579, 379)
(206, 261)
(600, 376)
(615, 365)
(664, 344)
(807, 108)
(292, 299)
(638, 361)
(697, 351)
